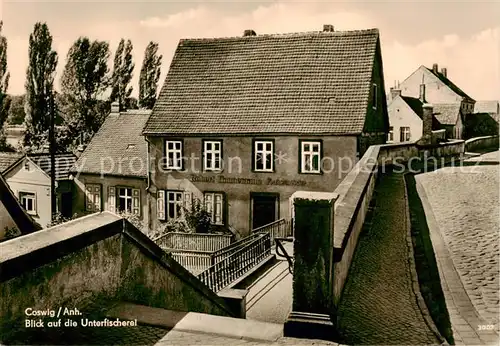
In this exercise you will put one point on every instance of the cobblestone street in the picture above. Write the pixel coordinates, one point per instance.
(379, 305)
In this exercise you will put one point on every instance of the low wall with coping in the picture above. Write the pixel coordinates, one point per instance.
(100, 256)
(481, 143)
(355, 194)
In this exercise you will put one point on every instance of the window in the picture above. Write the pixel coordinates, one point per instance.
(310, 157)
(374, 96)
(263, 156)
(93, 197)
(26, 165)
(404, 134)
(214, 202)
(390, 135)
(28, 201)
(175, 203)
(124, 202)
(173, 154)
(212, 155)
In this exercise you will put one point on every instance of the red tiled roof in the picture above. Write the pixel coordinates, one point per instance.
(446, 113)
(317, 82)
(63, 162)
(118, 147)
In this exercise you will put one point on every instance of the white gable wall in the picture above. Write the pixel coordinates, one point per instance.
(34, 181)
(435, 90)
(401, 115)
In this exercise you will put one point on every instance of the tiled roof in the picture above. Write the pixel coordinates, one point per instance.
(7, 160)
(63, 163)
(486, 107)
(450, 84)
(118, 140)
(317, 82)
(446, 113)
(416, 105)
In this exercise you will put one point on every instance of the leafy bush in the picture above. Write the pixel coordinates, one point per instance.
(10, 233)
(59, 219)
(198, 218)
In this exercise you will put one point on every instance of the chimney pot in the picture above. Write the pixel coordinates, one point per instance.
(395, 92)
(435, 68)
(328, 28)
(115, 107)
(444, 72)
(249, 32)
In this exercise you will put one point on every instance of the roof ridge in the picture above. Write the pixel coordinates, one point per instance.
(290, 34)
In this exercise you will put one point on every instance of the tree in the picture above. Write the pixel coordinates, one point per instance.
(84, 80)
(39, 85)
(150, 74)
(5, 101)
(16, 112)
(122, 73)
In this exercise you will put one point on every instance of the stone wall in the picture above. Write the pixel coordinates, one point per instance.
(481, 143)
(100, 256)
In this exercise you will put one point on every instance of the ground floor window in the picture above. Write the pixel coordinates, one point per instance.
(404, 134)
(175, 204)
(28, 201)
(214, 203)
(124, 199)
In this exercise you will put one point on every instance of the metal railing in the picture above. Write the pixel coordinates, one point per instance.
(193, 241)
(281, 251)
(230, 268)
(281, 228)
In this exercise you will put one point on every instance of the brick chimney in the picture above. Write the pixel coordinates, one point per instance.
(395, 92)
(435, 68)
(115, 107)
(328, 28)
(444, 72)
(249, 32)
(426, 124)
(421, 96)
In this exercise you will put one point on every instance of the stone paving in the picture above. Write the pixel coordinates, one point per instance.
(379, 305)
(462, 210)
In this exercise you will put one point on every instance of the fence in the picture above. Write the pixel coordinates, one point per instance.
(193, 241)
(194, 261)
(234, 266)
(221, 254)
(281, 228)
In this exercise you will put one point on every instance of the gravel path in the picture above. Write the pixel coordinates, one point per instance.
(379, 305)
(465, 203)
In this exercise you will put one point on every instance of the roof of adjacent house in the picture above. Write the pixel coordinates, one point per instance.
(486, 107)
(8, 160)
(118, 148)
(446, 113)
(450, 84)
(416, 105)
(315, 82)
(63, 163)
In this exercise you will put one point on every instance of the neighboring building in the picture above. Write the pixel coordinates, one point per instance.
(111, 174)
(451, 118)
(406, 117)
(244, 122)
(451, 104)
(484, 120)
(29, 179)
(490, 107)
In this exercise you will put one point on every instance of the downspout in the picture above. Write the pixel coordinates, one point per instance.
(148, 174)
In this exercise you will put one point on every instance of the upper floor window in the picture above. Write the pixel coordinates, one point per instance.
(214, 204)
(390, 135)
(28, 201)
(263, 156)
(374, 96)
(310, 154)
(404, 134)
(173, 154)
(212, 155)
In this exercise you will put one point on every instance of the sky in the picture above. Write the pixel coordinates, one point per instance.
(463, 36)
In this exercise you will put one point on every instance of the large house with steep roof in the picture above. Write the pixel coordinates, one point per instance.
(241, 123)
(28, 176)
(111, 172)
(451, 104)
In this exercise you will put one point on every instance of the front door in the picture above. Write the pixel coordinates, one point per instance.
(66, 204)
(264, 209)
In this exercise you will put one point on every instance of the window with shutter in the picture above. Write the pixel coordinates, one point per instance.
(136, 201)
(111, 199)
(187, 200)
(97, 198)
(93, 197)
(160, 205)
(214, 204)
